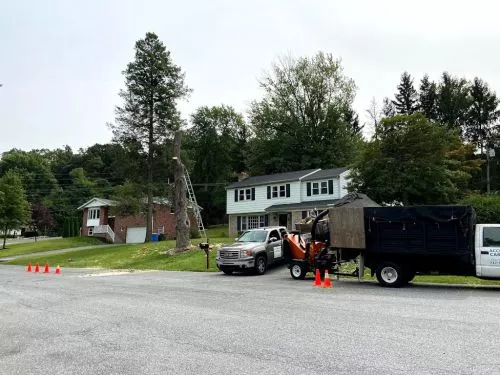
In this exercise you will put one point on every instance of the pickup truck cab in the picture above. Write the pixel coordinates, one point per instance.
(255, 249)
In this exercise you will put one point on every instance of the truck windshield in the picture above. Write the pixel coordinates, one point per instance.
(253, 236)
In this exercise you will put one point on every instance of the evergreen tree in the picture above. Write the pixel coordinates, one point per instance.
(388, 109)
(428, 98)
(149, 115)
(482, 114)
(406, 101)
(453, 102)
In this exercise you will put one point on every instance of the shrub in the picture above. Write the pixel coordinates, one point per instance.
(162, 237)
(487, 207)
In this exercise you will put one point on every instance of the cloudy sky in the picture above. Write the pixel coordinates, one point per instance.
(61, 60)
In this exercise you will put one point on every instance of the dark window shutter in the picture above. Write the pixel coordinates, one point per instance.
(253, 194)
(330, 186)
(266, 220)
(238, 223)
(288, 190)
(236, 195)
(269, 192)
(308, 189)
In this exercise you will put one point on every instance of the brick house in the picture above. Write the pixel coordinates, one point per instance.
(98, 222)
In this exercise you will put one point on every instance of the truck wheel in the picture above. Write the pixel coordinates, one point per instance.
(298, 271)
(260, 265)
(227, 271)
(390, 274)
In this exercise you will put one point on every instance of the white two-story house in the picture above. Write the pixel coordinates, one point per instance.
(282, 198)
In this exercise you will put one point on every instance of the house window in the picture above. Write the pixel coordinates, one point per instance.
(282, 191)
(93, 213)
(275, 192)
(242, 195)
(248, 194)
(315, 189)
(324, 187)
(161, 230)
(91, 231)
(172, 210)
(251, 222)
(304, 214)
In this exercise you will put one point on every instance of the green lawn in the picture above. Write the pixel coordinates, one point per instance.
(45, 245)
(151, 256)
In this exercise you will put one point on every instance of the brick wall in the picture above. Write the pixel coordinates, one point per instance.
(161, 218)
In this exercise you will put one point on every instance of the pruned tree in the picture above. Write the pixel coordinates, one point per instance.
(182, 223)
(153, 85)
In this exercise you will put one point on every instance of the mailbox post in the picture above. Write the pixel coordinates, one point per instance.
(206, 247)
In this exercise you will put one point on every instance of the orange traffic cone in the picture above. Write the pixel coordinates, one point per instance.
(37, 268)
(29, 268)
(317, 279)
(58, 270)
(46, 268)
(327, 282)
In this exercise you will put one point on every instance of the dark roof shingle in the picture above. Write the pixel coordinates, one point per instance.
(325, 173)
(271, 178)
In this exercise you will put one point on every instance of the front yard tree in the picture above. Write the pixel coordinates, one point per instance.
(15, 209)
(300, 122)
(414, 161)
(153, 85)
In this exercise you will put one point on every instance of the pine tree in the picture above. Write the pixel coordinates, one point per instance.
(149, 115)
(406, 101)
(482, 114)
(428, 98)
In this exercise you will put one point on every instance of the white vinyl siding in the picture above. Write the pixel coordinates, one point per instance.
(261, 202)
(319, 190)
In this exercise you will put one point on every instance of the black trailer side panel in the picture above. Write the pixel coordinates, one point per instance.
(430, 236)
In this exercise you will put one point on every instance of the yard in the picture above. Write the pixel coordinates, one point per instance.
(45, 245)
(151, 256)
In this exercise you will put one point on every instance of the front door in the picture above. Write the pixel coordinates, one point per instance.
(283, 220)
(488, 253)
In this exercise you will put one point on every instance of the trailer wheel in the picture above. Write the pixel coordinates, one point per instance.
(298, 271)
(390, 274)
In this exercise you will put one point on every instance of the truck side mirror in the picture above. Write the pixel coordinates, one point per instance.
(273, 239)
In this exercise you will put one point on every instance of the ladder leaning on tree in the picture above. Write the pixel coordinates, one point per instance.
(194, 205)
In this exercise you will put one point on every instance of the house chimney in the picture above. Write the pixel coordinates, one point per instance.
(242, 176)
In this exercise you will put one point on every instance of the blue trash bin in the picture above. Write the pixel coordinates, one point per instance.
(154, 237)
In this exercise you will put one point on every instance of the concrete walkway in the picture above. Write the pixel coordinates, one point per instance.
(59, 251)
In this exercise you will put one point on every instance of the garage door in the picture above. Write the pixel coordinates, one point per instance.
(136, 235)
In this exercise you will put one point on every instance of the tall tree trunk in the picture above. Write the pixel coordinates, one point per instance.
(149, 219)
(181, 217)
(4, 236)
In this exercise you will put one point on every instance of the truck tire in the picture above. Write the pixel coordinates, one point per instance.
(298, 271)
(390, 274)
(227, 271)
(260, 265)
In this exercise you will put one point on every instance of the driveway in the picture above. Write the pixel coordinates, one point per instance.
(105, 322)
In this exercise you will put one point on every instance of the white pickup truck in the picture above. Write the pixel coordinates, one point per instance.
(254, 250)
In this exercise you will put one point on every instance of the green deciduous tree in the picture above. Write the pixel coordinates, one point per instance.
(406, 97)
(412, 161)
(153, 85)
(453, 101)
(300, 122)
(15, 209)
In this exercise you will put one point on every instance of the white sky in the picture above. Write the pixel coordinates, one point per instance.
(61, 60)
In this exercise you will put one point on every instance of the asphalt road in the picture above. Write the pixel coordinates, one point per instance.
(97, 322)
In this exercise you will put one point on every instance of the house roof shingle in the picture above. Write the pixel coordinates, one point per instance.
(301, 205)
(325, 173)
(271, 178)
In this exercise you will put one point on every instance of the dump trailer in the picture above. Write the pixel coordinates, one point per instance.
(397, 243)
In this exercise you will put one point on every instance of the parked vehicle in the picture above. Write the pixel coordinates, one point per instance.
(255, 249)
(397, 243)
